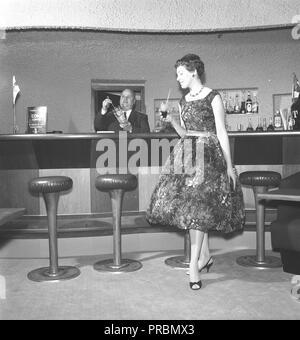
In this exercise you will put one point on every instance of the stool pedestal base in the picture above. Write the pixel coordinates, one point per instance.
(110, 266)
(251, 261)
(63, 273)
(177, 262)
(182, 261)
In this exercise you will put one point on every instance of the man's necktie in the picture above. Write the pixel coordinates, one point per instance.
(125, 115)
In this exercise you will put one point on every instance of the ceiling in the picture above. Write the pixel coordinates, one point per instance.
(149, 15)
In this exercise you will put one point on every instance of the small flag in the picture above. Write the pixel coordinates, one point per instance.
(16, 90)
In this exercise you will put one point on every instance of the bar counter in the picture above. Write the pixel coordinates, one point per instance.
(25, 156)
(59, 136)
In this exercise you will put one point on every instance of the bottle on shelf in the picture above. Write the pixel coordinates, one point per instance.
(249, 103)
(265, 124)
(255, 105)
(284, 117)
(290, 124)
(277, 121)
(225, 101)
(259, 127)
(236, 107)
(239, 127)
(295, 107)
(157, 127)
(270, 126)
(243, 103)
(230, 105)
(249, 127)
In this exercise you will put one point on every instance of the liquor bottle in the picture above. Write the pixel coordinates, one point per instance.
(237, 104)
(264, 124)
(249, 127)
(295, 107)
(230, 106)
(255, 104)
(291, 123)
(259, 127)
(270, 126)
(239, 127)
(249, 103)
(225, 101)
(277, 121)
(243, 103)
(157, 126)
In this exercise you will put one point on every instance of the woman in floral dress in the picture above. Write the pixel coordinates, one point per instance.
(198, 189)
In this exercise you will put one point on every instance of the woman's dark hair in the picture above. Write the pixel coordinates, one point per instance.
(192, 62)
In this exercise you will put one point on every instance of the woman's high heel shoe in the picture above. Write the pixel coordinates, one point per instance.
(209, 263)
(196, 285)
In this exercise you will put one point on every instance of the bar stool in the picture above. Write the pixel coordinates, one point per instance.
(116, 185)
(181, 261)
(260, 181)
(50, 187)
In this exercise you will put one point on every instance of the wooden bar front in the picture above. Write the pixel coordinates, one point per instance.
(23, 157)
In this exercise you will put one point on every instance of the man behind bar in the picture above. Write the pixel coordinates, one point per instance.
(105, 120)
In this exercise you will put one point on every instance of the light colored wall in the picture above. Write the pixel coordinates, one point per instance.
(55, 68)
(149, 15)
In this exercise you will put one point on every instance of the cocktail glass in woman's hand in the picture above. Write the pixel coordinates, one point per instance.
(163, 110)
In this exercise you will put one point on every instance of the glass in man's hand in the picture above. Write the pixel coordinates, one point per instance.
(120, 115)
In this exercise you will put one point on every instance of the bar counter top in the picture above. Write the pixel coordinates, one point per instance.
(61, 136)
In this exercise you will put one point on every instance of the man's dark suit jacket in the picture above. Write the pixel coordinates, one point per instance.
(108, 122)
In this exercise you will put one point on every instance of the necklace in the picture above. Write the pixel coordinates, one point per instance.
(197, 93)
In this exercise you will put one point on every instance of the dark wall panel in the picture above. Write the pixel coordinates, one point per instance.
(258, 150)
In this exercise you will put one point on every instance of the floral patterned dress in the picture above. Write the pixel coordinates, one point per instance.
(193, 191)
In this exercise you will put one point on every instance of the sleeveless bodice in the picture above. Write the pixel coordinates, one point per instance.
(198, 114)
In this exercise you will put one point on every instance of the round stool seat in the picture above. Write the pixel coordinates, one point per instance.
(50, 184)
(111, 182)
(260, 178)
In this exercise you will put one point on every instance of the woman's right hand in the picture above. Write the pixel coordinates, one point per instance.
(163, 109)
(165, 115)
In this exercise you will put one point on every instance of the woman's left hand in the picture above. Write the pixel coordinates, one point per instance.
(231, 176)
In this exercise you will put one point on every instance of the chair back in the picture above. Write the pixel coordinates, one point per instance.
(289, 210)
